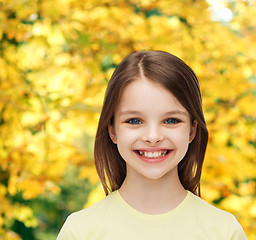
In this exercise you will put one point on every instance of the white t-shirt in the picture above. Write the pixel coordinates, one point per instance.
(113, 219)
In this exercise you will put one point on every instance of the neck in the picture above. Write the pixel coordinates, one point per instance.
(153, 196)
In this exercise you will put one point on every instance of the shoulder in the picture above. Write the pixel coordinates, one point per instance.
(79, 224)
(93, 212)
(219, 221)
(201, 206)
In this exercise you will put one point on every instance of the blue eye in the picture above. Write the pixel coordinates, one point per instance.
(171, 121)
(134, 121)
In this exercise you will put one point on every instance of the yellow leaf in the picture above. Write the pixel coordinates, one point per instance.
(90, 173)
(95, 195)
(24, 214)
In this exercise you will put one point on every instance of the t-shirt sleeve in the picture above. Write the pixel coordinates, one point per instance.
(236, 231)
(67, 231)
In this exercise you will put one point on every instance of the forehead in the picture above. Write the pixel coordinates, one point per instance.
(143, 94)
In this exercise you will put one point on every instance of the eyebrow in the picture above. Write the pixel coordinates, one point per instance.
(174, 112)
(129, 112)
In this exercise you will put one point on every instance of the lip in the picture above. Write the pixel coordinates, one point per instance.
(153, 160)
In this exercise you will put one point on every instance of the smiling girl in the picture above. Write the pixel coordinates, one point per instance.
(149, 151)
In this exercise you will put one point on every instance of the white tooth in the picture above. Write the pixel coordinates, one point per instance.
(155, 154)
(150, 154)
(145, 154)
(141, 153)
(159, 153)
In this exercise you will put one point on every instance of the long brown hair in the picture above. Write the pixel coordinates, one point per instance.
(178, 78)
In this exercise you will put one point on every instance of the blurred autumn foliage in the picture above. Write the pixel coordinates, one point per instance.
(56, 57)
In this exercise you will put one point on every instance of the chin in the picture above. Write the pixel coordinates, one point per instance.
(157, 175)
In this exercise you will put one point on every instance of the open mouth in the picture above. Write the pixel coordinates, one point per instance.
(152, 155)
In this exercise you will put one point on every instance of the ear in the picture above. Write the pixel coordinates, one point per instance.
(193, 131)
(112, 133)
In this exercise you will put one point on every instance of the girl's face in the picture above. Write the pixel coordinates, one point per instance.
(152, 130)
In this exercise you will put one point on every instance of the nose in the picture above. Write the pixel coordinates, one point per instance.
(153, 135)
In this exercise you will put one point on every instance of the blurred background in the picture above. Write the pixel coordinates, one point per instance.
(56, 58)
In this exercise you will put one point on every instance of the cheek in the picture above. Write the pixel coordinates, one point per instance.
(180, 139)
(180, 135)
(124, 143)
(126, 136)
